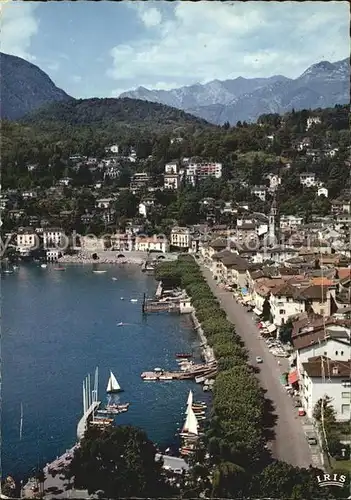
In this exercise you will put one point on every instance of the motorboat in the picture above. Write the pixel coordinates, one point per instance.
(99, 271)
(120, 323)
(150, 377)
(134, 300)
(43, 266)
(114, 279)
(183, 355)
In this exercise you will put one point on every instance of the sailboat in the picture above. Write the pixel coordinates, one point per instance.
(191, 425)
(112, 385)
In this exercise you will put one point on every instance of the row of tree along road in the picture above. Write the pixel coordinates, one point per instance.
(231, 460)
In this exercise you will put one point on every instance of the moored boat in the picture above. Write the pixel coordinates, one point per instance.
(116, 406)
(165, 377)
(183, 355)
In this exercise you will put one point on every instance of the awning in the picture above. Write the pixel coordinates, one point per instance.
(271, 328)
(257, 312)
(293, 377)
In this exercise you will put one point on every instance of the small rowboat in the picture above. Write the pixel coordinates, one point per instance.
(183, 355)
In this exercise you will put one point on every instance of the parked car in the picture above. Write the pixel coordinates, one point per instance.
(311, 438)
(259, 359)
(301, 412)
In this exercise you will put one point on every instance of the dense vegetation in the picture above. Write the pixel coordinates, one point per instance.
(247, 152)
(109, 113)
(240, 422)
(119, 462)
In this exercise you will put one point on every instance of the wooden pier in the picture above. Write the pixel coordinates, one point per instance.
(208, 370)
(154, 306)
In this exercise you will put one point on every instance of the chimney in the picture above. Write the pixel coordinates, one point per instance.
(335, 370)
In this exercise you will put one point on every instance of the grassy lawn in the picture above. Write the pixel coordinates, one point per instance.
(342, 464)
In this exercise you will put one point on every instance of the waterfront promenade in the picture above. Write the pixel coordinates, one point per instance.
(115, 257)
(289, 444)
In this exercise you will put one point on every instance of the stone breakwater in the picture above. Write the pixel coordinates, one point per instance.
(105, 258)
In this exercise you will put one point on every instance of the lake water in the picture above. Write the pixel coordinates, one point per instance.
(59, 326)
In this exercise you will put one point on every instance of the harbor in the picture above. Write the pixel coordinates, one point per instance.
(86, 337)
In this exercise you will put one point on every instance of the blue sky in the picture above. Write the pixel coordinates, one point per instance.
(104, 48)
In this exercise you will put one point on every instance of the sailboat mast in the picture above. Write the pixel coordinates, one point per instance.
(89, 392)
(21, 423)
(84, 403)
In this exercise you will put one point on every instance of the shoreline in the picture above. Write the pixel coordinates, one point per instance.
(206, 349)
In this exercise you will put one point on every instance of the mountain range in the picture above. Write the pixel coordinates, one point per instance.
(322, 85)
(25, 88)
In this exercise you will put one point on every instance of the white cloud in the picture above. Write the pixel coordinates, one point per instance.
(206, 40)
(77, 78)
(150, 16)
(18, 26)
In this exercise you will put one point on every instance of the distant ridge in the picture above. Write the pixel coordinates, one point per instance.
(323, 84)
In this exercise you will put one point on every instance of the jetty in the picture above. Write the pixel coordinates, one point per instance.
(192, 372)
(90, 405)
(152, 305)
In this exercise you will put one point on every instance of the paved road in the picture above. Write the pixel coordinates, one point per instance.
(289, 444)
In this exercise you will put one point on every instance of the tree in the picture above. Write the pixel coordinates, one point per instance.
(266, 310)
(120, 461)
(286, 331)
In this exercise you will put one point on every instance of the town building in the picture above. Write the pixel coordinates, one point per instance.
(290, 222)
(312, 120)
(341, 206)
(122, 242)
(308, 179)
(26, 240)
(151, 244)
(104, 203)
(323, 377)
(145, 205)
(140, 180)
(54, 238)
(274, 181)
(112, 149)
(172, 176)
(322, 191)
(229, 268)
(53, 254)
(260, 192)
(198, 171)
(181, 237)
(65, 181)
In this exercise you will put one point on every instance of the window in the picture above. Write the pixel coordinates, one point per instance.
(342, 353)
(346, 395)
(325, 353)
(336, 353)
(281, 311)
(345, 409)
